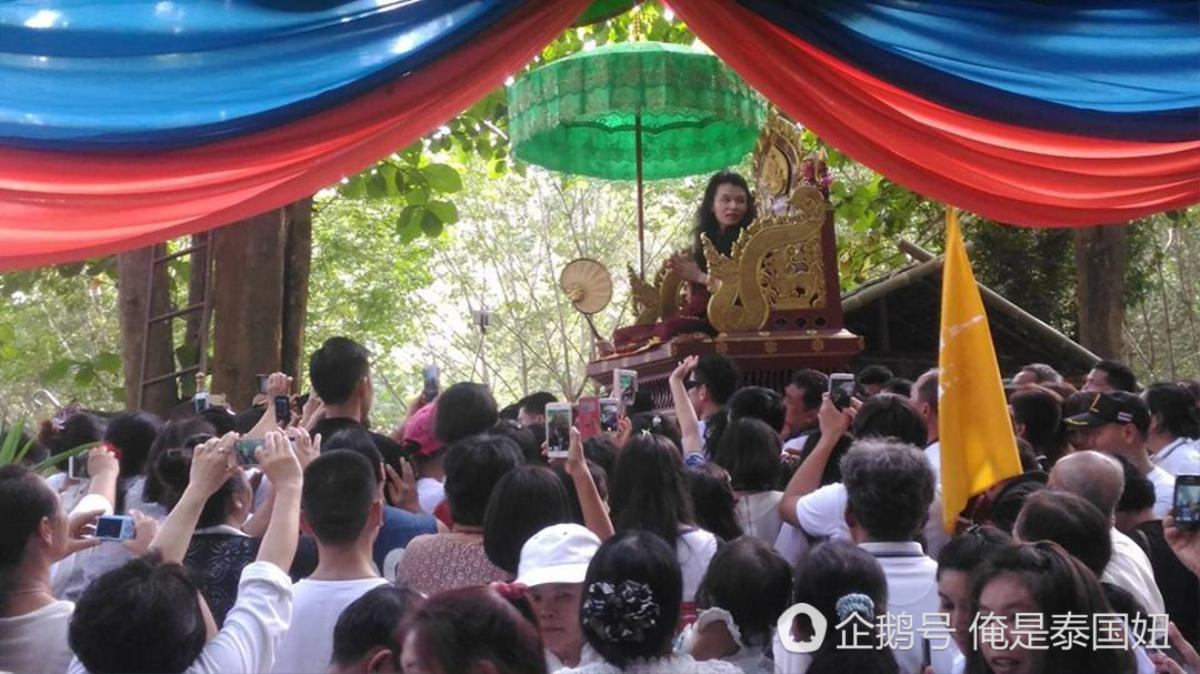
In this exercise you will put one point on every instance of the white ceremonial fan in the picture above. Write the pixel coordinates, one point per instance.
(589, 286)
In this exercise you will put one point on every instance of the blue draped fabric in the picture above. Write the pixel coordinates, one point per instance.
(1125, 69)
(138, 75)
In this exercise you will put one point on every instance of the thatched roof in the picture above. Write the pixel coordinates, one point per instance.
(899, 316)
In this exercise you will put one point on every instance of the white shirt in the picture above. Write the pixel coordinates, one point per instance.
(792, 543)
(37, 641)
(758, 514)
(822, 513)
(430, 493)
(695, 549)
(912, 590)
(308, 646)
(671, 664)
(253, 628)
(933, 454)
(1129, 568)
(749, 657)
(796, 444)
(1181, 457)
(1164, 490)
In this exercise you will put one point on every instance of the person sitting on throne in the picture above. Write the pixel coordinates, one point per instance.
(727, 209)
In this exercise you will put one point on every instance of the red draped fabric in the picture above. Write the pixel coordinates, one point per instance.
(58, 207)
(1007, 173)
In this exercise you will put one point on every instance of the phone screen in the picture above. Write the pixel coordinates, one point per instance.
(610, 412)
(114, 527)
(1187, 501)
(626, 387)
(244, 449)
(77, 467)
(283, 410)
(841, 389)
(262, 383)
(429, 376)
(558, 430)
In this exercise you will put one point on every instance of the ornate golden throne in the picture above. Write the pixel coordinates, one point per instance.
(776, 301)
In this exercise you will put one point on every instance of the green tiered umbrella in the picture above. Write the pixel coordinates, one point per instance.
(634, 110)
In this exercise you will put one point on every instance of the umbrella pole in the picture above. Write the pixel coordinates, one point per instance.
(637, 123)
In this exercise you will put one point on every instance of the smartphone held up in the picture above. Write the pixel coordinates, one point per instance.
(841, 389)
(558, 430)
(1186, 505)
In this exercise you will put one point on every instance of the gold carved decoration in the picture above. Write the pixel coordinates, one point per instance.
(660, 300)
(777, 263)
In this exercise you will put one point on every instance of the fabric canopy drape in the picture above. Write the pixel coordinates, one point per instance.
(1029, 113)
(129, 122)
(62, 199)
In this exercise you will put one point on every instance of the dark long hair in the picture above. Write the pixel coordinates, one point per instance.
(648, 490)
(706, 220)
(1060, 584)
(643, 565)
(173, 435)
(523, 502)
(831, 571)
(751, 581)
(713, 501)
(461, 628)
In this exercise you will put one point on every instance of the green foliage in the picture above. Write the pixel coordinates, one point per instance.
(59, 330)
(14, 448)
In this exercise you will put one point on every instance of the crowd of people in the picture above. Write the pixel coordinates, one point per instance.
(746, 530)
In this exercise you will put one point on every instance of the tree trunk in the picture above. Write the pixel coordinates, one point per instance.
(133, 289)
(260, 295)
(1101, 257)
(247, 305)
(297, 264)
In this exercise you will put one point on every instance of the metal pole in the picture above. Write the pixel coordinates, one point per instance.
(637, 123)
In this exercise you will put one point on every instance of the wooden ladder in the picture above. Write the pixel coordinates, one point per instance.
(201, 242)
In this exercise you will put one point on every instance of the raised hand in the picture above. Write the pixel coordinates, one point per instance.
(832, 421)
(145, 528)
(101, 461)
(79, 525)
(279, 462)
(307, 447)
(212, 464)
(278, 384)
(576, 461)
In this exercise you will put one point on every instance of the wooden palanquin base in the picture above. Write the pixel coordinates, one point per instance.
(765, 359)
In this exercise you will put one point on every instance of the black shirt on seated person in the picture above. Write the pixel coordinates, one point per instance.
(389, 448)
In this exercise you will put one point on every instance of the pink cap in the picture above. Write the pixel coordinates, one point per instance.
(419, 430)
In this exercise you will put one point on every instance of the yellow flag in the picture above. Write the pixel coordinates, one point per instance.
(978, 448)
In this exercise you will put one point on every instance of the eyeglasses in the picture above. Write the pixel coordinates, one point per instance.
(690, 383)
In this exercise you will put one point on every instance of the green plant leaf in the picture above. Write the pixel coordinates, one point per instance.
(108, 361)
(52, 461)
(443, 178)
(445, 211)
(377, 186)
(57, 370)
(355, 188)
(85, 375)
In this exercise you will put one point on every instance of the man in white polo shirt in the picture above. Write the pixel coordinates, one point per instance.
(889, 488)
